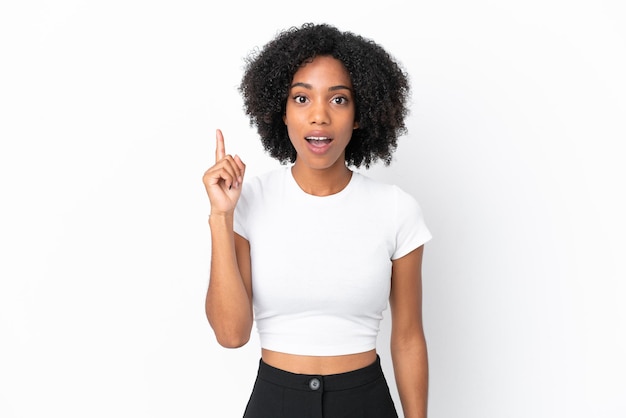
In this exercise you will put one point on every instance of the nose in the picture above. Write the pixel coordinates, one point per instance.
(319, 113)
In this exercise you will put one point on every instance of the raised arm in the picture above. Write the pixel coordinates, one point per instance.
(408, 344)
(229, 296)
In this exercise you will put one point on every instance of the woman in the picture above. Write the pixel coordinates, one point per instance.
(313, 251)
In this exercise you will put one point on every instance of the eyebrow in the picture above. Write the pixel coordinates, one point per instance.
(332, 88)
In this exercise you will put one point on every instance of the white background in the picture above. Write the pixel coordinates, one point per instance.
(107, 119)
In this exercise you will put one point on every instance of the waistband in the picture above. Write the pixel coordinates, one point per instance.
(332, 382)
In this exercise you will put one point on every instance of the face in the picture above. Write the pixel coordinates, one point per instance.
(320, 113)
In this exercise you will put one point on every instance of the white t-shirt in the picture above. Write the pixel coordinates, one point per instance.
(321, 266)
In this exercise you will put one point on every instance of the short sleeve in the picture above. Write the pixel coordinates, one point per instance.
(242, 211)
(411, 229)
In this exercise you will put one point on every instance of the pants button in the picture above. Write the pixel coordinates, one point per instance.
(314, 384)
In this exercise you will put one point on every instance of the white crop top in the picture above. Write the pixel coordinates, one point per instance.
(321, 266)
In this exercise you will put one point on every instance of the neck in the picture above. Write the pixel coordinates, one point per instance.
(321, 182)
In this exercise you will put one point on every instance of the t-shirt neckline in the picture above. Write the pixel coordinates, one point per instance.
(294, 185)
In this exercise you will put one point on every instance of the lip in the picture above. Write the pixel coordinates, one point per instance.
(320, 144)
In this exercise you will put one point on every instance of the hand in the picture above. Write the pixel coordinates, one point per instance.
(223, 181)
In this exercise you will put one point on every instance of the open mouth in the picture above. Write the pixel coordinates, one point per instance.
(318, 141)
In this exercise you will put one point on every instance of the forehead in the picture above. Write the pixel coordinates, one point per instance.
(323, 69)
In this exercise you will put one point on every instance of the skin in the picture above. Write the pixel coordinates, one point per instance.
(321, 105)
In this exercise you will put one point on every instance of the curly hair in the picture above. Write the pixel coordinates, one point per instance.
(381, 89)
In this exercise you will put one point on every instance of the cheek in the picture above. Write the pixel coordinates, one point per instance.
(350, 126)
(291, 134)
(290, 118)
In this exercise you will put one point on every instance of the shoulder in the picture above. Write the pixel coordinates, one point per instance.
(387, 192)
(257, 193)
(399, 206)
(263, 182)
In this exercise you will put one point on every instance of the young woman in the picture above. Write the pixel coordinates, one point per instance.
(313, 251)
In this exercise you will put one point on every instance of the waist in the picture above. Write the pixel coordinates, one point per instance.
(318, 365)
(327, 382)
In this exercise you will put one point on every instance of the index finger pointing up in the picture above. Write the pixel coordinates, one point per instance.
(220, 150)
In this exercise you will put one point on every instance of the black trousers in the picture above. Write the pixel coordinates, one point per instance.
(362, 393)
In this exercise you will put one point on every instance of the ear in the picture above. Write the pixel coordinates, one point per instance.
(356, 125)
(285, 118)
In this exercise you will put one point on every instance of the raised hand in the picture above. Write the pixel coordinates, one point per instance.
(223, 181)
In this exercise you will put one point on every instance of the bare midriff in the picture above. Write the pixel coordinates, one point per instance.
(319, 365)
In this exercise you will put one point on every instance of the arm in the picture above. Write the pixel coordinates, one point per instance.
(408, 344)
(229, 296)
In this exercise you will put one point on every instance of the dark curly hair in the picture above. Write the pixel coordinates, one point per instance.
(381, 89)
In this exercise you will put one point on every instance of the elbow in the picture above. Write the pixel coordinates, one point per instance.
(232, 340)
(231, 334)
(408, 340)
(232, 330)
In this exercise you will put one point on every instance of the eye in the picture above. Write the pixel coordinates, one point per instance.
(300, 99)
(340, 100)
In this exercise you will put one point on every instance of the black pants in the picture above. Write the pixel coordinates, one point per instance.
(361, 393)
